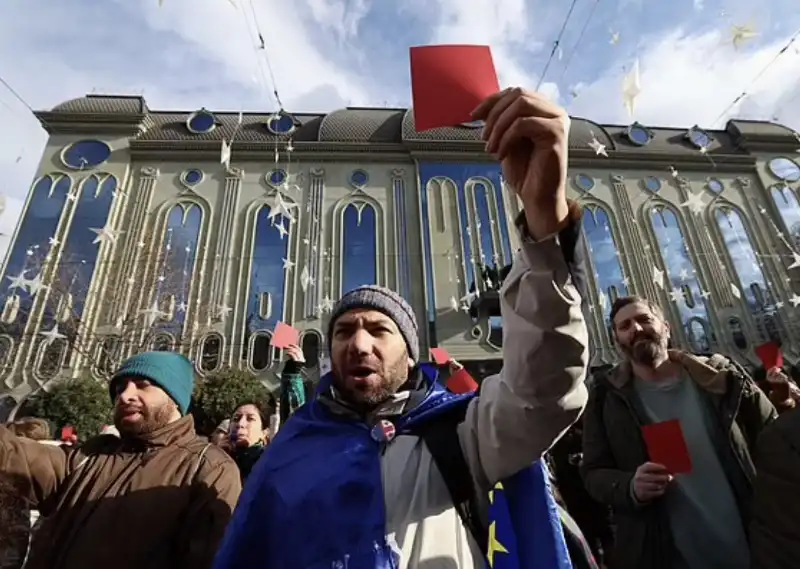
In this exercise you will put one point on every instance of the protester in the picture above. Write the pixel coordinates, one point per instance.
(221, 435)
(14, 523)
(353, 479)
(779, 387)
(665, 519)
(249, 428)
(293, 387)
(158, 496)
(31, 428)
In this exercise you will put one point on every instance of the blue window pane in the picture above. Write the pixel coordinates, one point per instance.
(786, 202)
(359, 178)
(276, 177)
(177, 262)
(79, 255)
(745, 260)
(359, 246)
(638, 135)
(192, 177)
(32, 244)
(489, 257)
(267, 277)
(202, 121)
(605, 256)
(86, 154)
(467, 255)
(281, 124)
(686, 291)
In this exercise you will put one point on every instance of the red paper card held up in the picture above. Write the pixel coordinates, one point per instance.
(67, 432)
(667, 447)
(448, 82)
(461, 382)
(284, 336)
(440, 356)
(770, 355)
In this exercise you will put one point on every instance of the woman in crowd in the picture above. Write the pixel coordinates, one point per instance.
(249, 436)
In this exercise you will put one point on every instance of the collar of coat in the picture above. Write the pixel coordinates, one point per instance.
(710, 373)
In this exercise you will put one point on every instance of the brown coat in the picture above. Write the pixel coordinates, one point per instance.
(775, 529)
(159, 501)
(613, 448)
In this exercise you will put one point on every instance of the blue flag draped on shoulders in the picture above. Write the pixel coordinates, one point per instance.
(524, 525)
(315, 499)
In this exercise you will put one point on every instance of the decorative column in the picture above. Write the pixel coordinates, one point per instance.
(225, 230)
(132, 250)
(641, 276)
(313, 244)
(402, 270)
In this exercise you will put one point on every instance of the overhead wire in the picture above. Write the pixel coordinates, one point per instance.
(556, 44)
(578, 42)
(263, 47)
(758, 76)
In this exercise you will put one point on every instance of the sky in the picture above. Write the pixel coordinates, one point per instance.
(327, 54)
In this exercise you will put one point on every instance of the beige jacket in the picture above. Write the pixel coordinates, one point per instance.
(519, 415)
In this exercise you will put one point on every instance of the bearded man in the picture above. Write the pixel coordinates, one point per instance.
(157, 496)
(353, 480)
(666, 520)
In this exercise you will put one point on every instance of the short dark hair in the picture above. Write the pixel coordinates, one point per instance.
(624, 301)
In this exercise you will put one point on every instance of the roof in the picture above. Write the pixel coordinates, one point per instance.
(385, 126)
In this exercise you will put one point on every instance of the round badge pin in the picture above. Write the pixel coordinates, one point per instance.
(383, 432)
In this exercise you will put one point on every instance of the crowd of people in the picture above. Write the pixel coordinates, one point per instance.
(384, 465)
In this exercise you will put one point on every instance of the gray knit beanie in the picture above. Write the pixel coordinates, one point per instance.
(382, 299)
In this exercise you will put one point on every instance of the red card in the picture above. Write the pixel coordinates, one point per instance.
(667, 447)
(440, 356)
(461, 382)
(284, 336)
(448, 82)
(67, 433)
(770, 355)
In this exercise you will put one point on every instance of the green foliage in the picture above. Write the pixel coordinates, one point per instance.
(217, 397)
(83, 403)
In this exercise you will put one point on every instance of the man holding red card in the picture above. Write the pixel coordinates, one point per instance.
(667, 443)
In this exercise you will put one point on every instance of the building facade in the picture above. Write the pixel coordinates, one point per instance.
(140, 231)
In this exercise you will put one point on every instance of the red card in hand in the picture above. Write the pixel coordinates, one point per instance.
(67, 433)
(461, 382)
(448, 82)
(284, 336)
(440, 356)
(770, 355)
(667, 447)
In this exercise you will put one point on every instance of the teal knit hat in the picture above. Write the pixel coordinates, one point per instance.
(172, 372)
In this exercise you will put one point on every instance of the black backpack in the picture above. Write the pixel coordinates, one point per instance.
(441, 438)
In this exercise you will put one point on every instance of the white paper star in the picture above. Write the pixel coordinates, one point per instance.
(598, 147)
(684, 274)
(35, 284)
(223, 311)
(52, 335)
(327, 303)
(704, 294)
(182, 307)
(282, 230)
(795, 300)
(282, 208)
(152, 314)
(287, 265)
(614, 38)
(18, 282)
(305, 278)
(740, 35)
(631, 88)
(675, 295)
(735, 291)
(695, 203)
(53, 242)
(105, 235)
(225, 154)
(658, 277)
(673, 171)
(795, 260)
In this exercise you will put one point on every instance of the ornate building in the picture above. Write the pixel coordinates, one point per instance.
(139, 232)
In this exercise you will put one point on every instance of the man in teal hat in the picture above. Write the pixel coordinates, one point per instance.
(157, 496)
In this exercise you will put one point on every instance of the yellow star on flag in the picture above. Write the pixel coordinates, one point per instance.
(494, 545)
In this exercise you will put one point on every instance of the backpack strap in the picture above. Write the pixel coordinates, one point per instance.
(441, 438)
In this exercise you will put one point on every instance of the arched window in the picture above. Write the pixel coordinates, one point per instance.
(163, 342)
(359, 246)
(211, 353)
(745, 261)
(51, 358)
(108, 355)
(79, 256)
(605, 255)
(789, 209)
(175, 265)
(684, 286)
(31, 246)
(6, 350)
(262, 354)
(265, 302)
(311, 344)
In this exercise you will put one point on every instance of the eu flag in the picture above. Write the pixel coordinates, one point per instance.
(524, 526)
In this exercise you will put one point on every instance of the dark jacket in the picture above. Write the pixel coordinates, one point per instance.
(775, 528)
(613, 448)
(159, 501)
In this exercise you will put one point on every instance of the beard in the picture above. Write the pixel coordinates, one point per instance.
(366, 395)
(645, 349)
(149, 420)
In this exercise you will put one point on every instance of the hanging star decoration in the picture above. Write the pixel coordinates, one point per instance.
(152, 314)
(223, 311)
(598, 147)
(35, 284)
(736, 292)
(795, 300)
(694, 202)
(631, 88)
(614, 38)
(18, 282)
(658, 277)
(225, 154)
(741, 35)
(675, 295)
(105, 235)
(52, 335)
(305, 278)
(282, 208)
(795, 261)
(287, 265)
(282, 230)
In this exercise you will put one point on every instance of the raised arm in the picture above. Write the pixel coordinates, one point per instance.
(40, 468)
